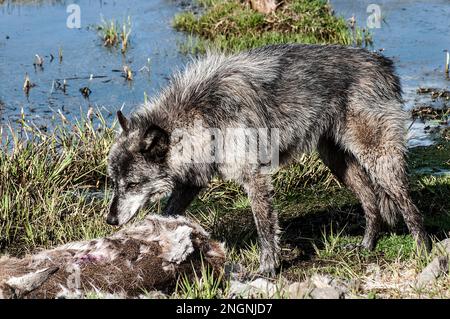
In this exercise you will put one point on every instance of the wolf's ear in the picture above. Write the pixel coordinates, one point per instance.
(122, 121)
(154, 144)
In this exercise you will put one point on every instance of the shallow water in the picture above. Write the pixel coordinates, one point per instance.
(414, 34)
(26, 30)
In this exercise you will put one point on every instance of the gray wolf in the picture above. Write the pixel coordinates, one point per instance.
(150, 255)
(344, 102)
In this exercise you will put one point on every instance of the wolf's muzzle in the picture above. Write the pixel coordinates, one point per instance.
(112, 220)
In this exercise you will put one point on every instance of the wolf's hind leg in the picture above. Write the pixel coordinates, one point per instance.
(388, 170)
(347, 169)
(260, 193)
(378, 144)
(180, 199)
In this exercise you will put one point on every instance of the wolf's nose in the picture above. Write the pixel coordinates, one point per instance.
(112, 220)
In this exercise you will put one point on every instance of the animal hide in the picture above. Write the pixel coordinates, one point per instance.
(150, 255)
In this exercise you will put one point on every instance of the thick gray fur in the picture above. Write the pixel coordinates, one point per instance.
(343, 102)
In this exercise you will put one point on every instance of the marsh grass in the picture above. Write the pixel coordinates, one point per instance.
(53, 186)
(109, 32)
(113, 33)
(125, 34)
(233, 25)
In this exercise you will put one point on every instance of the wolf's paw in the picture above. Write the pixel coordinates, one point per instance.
(368, 244)
(363, 245)
(423, 244)
(354, 246)
(267, 271)
(269, 264)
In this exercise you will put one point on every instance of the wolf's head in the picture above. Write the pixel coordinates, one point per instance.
(137, 166)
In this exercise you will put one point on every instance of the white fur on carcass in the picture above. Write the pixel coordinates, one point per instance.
(176, 238)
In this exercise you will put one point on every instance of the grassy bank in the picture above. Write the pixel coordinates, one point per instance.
(233, 25)
(53, 185)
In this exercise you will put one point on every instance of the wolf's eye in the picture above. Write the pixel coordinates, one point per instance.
(132, 185)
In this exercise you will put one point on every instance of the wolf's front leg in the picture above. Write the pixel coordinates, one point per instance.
(260, 193)
(180, 199)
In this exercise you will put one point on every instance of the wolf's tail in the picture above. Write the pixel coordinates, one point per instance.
(389, 211)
